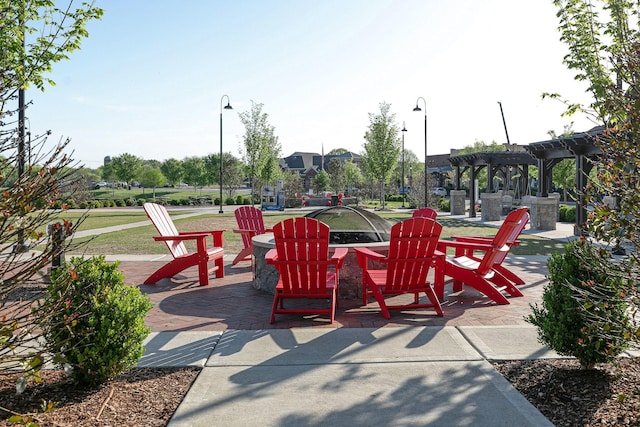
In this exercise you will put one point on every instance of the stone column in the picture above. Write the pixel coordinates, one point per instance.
(491, 206)
(458, 200)
(543, 211)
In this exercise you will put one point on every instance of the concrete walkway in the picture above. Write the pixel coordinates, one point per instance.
(396, 374)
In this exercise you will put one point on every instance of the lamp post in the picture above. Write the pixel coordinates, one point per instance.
(226, 107)
(404, 129)
(426, 169)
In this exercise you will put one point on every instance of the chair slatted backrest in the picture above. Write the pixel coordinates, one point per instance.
(302, 245)
(165, 226)
(425, 213)
(521, 215)
(500, 244)
(249, 218)
(411, 253)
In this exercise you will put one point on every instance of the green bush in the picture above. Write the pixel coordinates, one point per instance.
(567, 213)
(100, 331)
(94, 204)
(121, 203)
(444, 205)
(84, 205)
(141, 202)
(583, 312)
(131, 201)
(71, 203)
(230, 201)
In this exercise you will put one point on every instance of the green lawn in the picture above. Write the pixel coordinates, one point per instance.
(139, 240)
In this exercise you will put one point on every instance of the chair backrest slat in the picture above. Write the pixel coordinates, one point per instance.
(512, 226)
(411, 252)
(164, 225)
(302, 245)
(249, 218)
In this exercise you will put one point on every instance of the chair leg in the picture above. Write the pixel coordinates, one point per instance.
(377, 294)
(276, 299)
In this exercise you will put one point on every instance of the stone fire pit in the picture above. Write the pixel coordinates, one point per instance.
(349, 227)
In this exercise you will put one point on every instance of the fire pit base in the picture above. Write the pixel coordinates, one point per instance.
(265, 276)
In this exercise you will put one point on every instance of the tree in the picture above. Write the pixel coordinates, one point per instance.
(353, 175)
(232, 173)
(338, 177)
(382, 147)
(194, 171)
(30, 202)
(126, 167)
(603, 43)
(292, 186)
(172, 171)
(260, 142)
(321, 182)
(151, 177)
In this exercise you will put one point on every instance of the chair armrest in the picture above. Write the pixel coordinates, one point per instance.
(365, 254)
(339, 256)
(217, 235)
(271, 256)
(462, 247)
(477, 239)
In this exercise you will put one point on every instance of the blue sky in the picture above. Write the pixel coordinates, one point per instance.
(150, 77)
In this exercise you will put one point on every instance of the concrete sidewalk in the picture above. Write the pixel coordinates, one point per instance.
(350, 376)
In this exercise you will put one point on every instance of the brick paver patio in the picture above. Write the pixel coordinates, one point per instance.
(180, 304)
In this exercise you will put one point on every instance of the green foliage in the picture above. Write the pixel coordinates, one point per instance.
(260, 142)
(567, 213)
(100, 330)
(583, 312)
(230, 201)
(444, 204)
(321, 181)
(382, 147)
(239, 200)
(126, 167)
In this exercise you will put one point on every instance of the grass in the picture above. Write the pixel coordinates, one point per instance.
(139, 240)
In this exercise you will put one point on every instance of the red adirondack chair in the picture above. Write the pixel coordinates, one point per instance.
(425, 213)
(412, 253)
(301, 256)
(479, 273)
(250, 223)
(512, 241)
(182, 258)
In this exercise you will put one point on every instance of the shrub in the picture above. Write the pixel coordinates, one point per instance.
(100, 331)
(140, 202)
(444, 205)
(120, 203)
(247, 201)
(131, 201)
(71, 203)
(567, 213)
(230, 201)
(583, 312)
(84, 205)
(239, 200)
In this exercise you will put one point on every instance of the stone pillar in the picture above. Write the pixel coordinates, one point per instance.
(457, 199)
(556, 197)
(491, 206)
(543, 211)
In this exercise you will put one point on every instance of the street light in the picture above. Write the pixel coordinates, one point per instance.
(226, 107)
(404, 129)
(426, 169)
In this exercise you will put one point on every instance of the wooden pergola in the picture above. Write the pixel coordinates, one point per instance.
(502, 164)
(580, 146)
